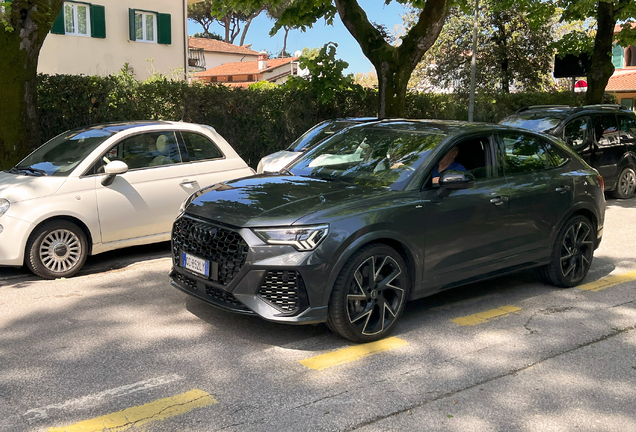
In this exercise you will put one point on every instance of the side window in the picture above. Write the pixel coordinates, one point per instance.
(628, 128)
(142, 151)
(200, 147)
(606, 130)
(81, 19)
(575, 133)
(524, 154)
(556, 157)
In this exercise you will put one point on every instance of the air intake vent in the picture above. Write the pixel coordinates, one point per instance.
(280, 288)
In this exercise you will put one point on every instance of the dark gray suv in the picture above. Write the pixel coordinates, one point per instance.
(363, 222)
(604, 135)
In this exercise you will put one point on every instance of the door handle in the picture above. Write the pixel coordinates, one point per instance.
(499, 200)
(186, 182)
(563, 189)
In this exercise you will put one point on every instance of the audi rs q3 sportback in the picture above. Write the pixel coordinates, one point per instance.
(374, 216)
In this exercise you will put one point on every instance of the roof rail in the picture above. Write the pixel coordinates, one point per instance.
(612, 106)
(541, 106)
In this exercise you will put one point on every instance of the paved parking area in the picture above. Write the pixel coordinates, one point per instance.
(117, 348)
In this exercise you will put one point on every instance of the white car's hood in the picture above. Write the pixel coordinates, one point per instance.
(19, 187)
(277, 161)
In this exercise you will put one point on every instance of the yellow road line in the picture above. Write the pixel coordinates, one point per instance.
(136, 416)
(609, 281)
(350, 354)
(482, 317)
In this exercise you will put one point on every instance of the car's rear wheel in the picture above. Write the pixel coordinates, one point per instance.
(369, 295)
(56, 249)
(572, 253)
(626, 184)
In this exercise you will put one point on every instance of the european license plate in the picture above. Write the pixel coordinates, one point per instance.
(196, 264)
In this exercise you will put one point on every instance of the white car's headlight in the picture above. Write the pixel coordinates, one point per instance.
(302, 238)
(4, 205)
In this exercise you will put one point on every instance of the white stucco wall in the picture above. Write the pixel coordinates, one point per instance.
(214, 59)
(66, 54)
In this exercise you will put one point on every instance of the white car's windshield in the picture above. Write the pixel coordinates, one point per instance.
(373, 155)
(59, 156)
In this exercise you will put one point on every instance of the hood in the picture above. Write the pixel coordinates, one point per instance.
(276, 161)
(274, 200)
(18, 187)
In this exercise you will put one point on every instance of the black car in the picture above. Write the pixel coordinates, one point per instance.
(604, 135)
(358, 225)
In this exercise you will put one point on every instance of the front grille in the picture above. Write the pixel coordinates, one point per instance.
(280, 288)
(210, 242)
(218, 296)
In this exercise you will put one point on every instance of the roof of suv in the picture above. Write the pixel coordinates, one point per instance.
(566, 110)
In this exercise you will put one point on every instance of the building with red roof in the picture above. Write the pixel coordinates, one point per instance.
(209, 53)
(623, 81)
(242, 74)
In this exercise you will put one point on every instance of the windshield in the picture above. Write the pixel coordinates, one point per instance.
(59, 156)
(318, 133)
(534, 122)
(376, 155)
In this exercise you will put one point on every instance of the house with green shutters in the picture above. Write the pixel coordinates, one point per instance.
(623, 81)
(100, 38)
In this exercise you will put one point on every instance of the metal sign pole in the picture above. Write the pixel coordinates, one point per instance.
(473, 66)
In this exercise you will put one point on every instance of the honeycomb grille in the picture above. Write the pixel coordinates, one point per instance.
(219, 297)
(210, 242)
(280, 288)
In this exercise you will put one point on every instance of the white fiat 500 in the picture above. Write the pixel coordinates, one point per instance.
(105, 187)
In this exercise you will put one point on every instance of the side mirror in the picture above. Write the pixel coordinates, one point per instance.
(112, 169)
(454, 180)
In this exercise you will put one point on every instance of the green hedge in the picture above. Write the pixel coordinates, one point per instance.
(254, 122)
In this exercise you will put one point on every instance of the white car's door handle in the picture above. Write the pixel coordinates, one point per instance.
(186, 182)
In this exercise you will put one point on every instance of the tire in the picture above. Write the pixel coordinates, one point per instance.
(625, 185)
(572, 254)
(57, 249)
(365, 308)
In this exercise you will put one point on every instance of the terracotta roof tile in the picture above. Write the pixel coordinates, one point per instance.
(214, 45)
(243, 68)
(623, 82)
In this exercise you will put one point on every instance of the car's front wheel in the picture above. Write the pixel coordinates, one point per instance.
(56, 249)
(626, 184)
(572, 253)
(369, 294)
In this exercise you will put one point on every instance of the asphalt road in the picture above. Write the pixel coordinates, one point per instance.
(119, 338)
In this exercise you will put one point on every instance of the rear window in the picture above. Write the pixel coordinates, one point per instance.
(316, 134)
(534, 122)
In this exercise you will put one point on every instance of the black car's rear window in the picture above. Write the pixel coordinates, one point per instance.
(535, 122)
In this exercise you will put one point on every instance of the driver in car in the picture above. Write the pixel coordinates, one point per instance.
(447, 163)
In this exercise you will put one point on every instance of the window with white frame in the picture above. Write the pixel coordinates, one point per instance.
(145, 26)
(77, 20)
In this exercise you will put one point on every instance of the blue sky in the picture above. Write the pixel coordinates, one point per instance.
(348, 49)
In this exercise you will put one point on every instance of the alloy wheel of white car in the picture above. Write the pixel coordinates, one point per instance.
(57, 249)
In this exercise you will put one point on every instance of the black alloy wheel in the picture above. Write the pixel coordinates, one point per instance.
(572, 254)
(369, 294)
(626, 184)
(56, 249)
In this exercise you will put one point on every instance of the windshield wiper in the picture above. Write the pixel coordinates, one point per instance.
(331, 179)
(286, 171)
(22, 170)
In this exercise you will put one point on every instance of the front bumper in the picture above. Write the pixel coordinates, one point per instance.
(274, 282)
(13, 240)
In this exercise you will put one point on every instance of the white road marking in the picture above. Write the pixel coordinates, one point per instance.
(42, 413)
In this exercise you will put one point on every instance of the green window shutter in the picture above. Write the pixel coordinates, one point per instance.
(98, 21)
(617, 56)
(58, 24)
(164, 29)
(131, 25)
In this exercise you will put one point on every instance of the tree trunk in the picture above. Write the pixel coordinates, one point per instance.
(248, 22)
(601, 67)
(227, 20)
(285, 40)
(394, 65)
(19, 51)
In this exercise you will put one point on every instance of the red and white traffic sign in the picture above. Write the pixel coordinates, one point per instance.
(580, 86)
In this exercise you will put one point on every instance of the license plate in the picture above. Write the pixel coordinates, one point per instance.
(196, 264)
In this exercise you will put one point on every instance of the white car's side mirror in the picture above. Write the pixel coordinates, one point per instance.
(112, 169)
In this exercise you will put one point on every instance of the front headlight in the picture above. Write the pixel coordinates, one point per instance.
(302, 238)
(4, 205)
